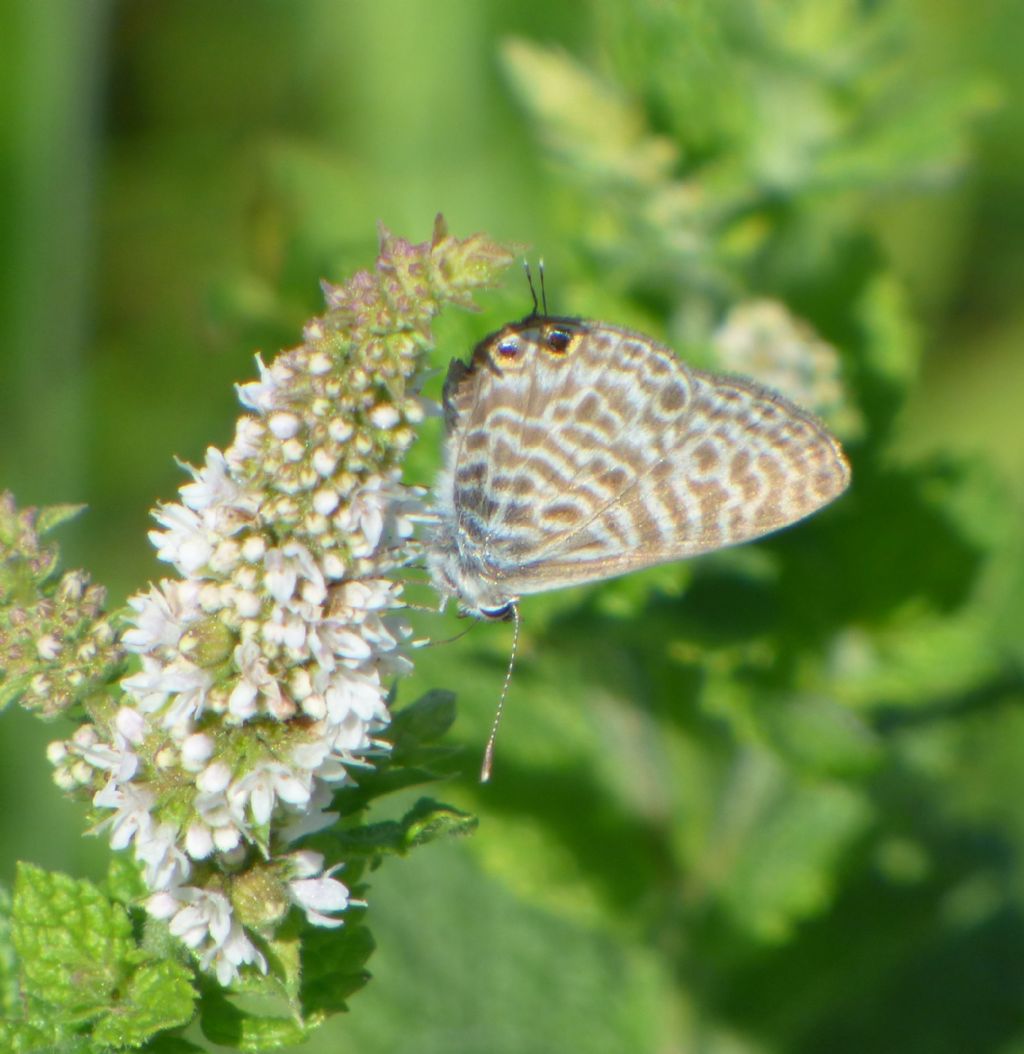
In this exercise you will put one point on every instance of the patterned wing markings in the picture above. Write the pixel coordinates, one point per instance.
(619, 457)
(553, 442)
(717, 486)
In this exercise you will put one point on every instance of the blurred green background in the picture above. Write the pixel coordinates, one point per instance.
(772, 800)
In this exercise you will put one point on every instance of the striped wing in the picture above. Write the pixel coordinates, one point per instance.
(585, 462)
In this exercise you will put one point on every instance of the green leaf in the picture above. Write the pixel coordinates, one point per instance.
(422, 722)
(166, 1044)
(225, 1023)
(12, 689)
(9, 995)
(79, 959)
(52, 516)
(158, 995)
(388, 779)
(124, 881)
(426, 821)
(75, 946)
(783, 840)
(23, 1037)
(822, 736)
(333, 964)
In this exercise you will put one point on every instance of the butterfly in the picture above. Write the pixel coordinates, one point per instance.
(577, 451)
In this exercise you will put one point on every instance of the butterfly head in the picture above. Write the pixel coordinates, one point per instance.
(551, 338)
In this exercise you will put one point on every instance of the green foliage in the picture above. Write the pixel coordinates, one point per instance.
(82, 975)
(766, 801)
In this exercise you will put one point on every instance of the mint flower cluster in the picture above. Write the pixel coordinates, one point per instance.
(764, 340)
(265, 662)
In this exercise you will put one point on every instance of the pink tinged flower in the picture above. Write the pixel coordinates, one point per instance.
(165, 865)
(133, 812)
(358, 694)
(196, 751)
(315, 817)
(198, 841)
(214, 779)
(130, 724)
(162, 905)
(261, 395)
(255, 681)
(161, 615)
(183, 542)
(205, 916)
(213, 484)
(260, 789)
(236, 951)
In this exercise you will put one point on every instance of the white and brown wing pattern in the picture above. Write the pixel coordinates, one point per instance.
(578, 451)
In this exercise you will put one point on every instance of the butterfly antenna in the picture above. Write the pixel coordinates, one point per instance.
(533, 291)
(485, 768)
(429, 642)
(543, 290)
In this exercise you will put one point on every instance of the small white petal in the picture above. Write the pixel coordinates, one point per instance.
(284, 425)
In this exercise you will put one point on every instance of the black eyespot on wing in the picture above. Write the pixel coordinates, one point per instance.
(558, 340)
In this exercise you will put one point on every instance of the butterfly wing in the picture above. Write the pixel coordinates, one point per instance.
(611, 455)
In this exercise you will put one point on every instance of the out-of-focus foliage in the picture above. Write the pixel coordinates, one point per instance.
(769, 800)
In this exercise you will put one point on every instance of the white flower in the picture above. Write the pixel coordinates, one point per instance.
(132, 817)
(196, 751)
(315, 817)
(213, 484)
(316, 896)
(249, 433)
(48, 647)
(261, 395)
(206, 916)
(260, 788)
(165, 864)
(162, 905)
(117, 756)
(255, 679)
(350, 693)
(236, 951)
(184, 542)
(364, 516)
(198, 841)
(131, 724)
(161, 615)
(177, 690)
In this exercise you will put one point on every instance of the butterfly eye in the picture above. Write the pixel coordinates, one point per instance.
(508, 348)
(502, 614)
(558, 340)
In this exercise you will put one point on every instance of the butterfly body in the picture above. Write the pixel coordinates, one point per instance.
(578, 451)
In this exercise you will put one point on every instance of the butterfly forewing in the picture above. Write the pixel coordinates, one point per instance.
(580, 451)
